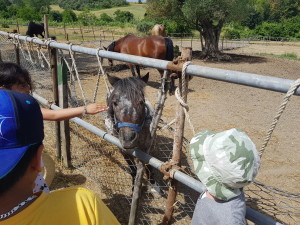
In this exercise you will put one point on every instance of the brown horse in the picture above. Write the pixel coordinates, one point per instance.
(156, 47)
(159, 30)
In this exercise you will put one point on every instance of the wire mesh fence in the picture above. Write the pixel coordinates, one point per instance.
(104, 164)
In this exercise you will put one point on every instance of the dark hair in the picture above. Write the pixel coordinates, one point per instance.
(10, 74)
(16, 173)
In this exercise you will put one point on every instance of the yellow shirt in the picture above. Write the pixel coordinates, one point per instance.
(70, 206)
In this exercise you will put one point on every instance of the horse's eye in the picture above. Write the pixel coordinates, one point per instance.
(115, 103)
(142, 102)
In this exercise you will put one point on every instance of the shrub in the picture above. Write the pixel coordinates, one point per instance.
(123, 16)
(55, 16)
(105, 18)
(144, 26)
(232, 34)
(69, 16)
(86, 18)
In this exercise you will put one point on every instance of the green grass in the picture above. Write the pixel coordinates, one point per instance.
(138, 10)
(283, 56)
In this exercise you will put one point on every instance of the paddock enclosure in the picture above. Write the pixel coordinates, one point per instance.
(213, 104)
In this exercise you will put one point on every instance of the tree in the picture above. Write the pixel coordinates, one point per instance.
(208, 17)
(41, 6)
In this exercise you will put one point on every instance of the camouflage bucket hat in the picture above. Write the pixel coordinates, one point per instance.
(224, 162)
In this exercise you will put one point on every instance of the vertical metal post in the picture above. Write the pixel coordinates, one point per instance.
(53, 63)
(63, 103)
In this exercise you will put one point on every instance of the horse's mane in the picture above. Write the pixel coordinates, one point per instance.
(111, 46)
(170, 50)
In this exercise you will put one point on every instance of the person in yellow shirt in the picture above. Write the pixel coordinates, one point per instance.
(21, 145)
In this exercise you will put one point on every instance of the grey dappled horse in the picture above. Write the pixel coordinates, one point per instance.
(129, 118)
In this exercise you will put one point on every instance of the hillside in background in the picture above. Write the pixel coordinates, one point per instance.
(138, 10)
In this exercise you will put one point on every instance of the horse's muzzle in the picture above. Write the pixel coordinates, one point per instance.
(128, 137)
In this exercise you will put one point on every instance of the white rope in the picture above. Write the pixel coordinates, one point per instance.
(38, 49)
(72, 78)
(184, 91)
(28, 51)
(76, 73)
(99, 74)
(282, 107)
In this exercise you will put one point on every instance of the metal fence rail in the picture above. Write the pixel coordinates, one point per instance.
(248, 79)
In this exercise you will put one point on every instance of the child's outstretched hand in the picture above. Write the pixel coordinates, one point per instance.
(95, 108)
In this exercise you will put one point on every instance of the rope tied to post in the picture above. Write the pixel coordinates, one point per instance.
(76, 73)
(180, 96)
(282, 107)
(169, 168)
(100, 71)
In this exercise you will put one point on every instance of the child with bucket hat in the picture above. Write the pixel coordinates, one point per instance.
(21, 145)
(224, 162)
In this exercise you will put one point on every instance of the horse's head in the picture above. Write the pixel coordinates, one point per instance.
(128, 110)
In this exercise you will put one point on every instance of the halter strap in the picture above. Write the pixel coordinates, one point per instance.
(134, 126)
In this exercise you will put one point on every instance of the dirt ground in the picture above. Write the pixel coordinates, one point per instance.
(217, 105)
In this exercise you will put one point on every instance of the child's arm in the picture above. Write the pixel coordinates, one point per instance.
(65, 114)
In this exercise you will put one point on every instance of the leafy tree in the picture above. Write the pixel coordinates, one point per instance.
(123, 16)
(28, 14)
(4, 4)
(68, 16)
(208, 17)
(41, 6)
(168, 12)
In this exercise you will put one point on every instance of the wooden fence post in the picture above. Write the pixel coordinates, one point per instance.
(66, 37)
(17, 50)
(177, 145)
(53, 63)
(18, 28)
(63, 103)
(93, 33)
(81, 33)
(46, 26)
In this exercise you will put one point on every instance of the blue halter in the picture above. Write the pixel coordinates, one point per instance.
(134, 126)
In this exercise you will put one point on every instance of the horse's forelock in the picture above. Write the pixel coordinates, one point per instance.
(131, 87)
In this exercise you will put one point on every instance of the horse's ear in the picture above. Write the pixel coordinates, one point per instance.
(112, 79)
(145, 78)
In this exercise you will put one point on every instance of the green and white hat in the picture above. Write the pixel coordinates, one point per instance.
(224, 162)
